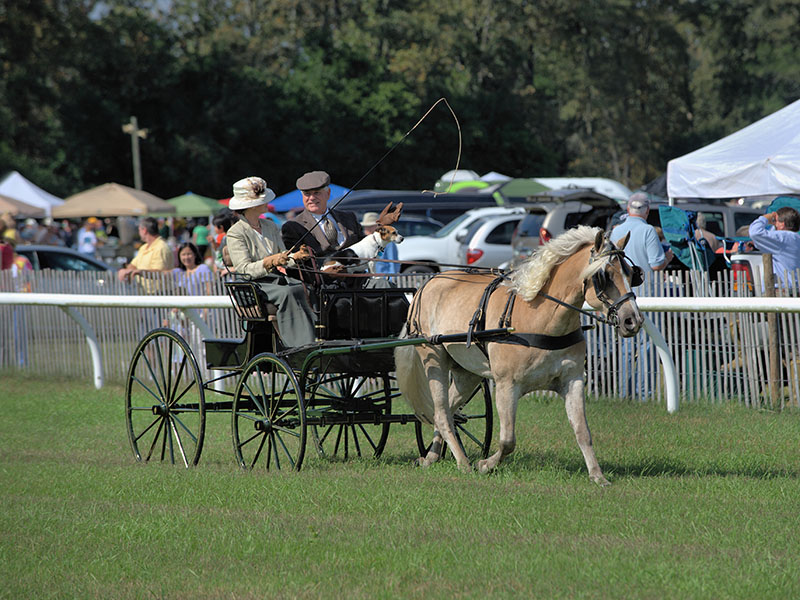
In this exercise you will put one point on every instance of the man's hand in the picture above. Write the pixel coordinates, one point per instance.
(771, 217)
(303, 254)
(275, 260)
(391, 214)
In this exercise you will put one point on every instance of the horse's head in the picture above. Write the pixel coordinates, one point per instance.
(612, 276)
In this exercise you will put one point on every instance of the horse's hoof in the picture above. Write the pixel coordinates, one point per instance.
(466, 468)
(482, 467)
(601, 481)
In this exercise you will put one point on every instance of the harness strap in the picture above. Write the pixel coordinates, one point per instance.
(545, 342)
(478, 319)
(505, 318)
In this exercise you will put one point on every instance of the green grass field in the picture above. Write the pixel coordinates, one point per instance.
(704, 504)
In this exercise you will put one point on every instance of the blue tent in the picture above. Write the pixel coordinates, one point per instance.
(294, 199)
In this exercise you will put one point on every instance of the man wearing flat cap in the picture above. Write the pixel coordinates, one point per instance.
(329, 229)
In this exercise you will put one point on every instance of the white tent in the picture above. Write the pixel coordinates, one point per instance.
(16, 187)
(759, 160)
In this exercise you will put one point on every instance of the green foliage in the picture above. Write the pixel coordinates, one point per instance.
(234, 87)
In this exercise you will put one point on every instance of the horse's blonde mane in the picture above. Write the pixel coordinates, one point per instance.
(530, 278)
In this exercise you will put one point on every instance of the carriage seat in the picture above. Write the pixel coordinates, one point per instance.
(252, 309)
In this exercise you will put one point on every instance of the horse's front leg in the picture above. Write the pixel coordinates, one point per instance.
(506, 397)
(434, 452)
(576, 411)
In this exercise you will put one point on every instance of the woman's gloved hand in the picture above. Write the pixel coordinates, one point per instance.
(275, 260)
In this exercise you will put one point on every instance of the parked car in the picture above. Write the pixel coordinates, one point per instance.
(442, 247)
(409, 225)
(442, 207)
(488, 241)
(553, 212)
(60, 258)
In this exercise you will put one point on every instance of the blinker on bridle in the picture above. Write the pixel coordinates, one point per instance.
(600, 282)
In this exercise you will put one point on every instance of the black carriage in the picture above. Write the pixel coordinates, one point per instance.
(339, 391)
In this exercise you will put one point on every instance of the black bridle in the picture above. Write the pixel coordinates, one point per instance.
(600, 281)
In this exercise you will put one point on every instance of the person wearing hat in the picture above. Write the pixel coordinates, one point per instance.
(256, 251)
(643, 248)
(87, 238)
(324, 230)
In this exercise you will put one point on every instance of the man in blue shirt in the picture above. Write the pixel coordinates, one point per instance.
(644, 247)
(783, 242)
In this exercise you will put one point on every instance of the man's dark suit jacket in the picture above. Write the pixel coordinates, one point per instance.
(293, 230)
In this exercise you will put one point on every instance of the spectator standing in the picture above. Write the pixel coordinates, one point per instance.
(87, 238)
(783, 242)
(21, 270)
(645, 250)
(6, 251)
(153, 256)
(200, 237)
(644, 247)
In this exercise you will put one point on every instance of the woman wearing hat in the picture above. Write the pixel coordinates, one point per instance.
(256, 250)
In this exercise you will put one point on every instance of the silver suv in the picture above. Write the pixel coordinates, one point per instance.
(432, 253)
(556, 211)
(488, 241)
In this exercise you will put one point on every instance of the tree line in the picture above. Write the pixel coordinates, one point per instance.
(230, 88)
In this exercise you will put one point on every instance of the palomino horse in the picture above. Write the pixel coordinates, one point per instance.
(545, 352)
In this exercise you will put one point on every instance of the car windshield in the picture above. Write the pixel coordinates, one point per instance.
(451, 226)
(530, 225)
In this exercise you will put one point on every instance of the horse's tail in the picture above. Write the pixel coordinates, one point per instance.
(412, 381)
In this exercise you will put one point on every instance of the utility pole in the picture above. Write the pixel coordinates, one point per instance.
(133, 130)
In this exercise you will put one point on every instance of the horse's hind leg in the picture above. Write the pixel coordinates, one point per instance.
(437, 368)
(506, 396)
(576, 412)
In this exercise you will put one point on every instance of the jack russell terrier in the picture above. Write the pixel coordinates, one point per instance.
(367, 248)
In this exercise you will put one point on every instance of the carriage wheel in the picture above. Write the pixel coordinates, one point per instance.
(351, 412)
(268, 421)
(473, 421)
(165, 400)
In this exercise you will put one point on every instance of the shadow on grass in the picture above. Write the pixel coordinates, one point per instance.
(658, 466)
(645, 467)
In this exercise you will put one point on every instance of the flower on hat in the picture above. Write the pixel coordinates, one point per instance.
(250, 192)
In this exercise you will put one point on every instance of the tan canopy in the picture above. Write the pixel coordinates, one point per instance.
(111, 200)
(19, 209)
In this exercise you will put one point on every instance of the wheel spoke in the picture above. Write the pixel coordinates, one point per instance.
(260, 447)
(155, 438)
(368, 437)
(178, 440)
(285, 449)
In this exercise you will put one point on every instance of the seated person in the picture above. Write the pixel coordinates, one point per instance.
(326, 231)
(257, 252)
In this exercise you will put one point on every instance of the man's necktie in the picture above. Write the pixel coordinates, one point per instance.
(330, 232)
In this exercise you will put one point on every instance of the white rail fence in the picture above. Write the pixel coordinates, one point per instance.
(716, 333)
